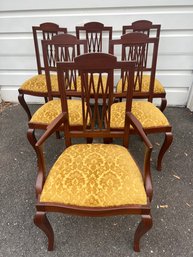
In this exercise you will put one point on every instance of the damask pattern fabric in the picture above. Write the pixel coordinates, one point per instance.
(38, 84)
(158, 88)
(147, 113)
(94, 175)
(49, 111)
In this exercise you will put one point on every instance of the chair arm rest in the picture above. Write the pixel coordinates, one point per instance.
(137, 125)
(40, 155)
(147, 172)
(51, 128)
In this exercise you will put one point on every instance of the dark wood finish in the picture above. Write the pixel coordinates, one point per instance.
(134, 47)
(24, 104)
(166, 144)
(99, 114)
(60, 48)
(94, 33)
(43, 31)
(41, 221)
(151, 30)
(144, 26)
(144, 226)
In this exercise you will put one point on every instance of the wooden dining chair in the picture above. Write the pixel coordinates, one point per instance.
(59, 48)
(133, 47)
(36, 85)
(151, 30)
(97, 35)
(94, 179)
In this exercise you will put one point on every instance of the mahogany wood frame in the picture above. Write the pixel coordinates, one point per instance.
(151, 30)
(138, 39)
(91, 63)
(91, 31)
(53, 46)
(47, 30)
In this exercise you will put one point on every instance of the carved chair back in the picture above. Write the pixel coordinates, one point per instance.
(143, 26)
(61, 48)
(44, 31)
(97, 97)
(133, 47)
(97, 36)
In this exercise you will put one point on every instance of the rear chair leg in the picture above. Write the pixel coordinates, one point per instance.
(24, 105)
(108, 140)
(42, 222)
(58, 135)
(166, 144)
(143, 227)
(163, 104)
(89, 140)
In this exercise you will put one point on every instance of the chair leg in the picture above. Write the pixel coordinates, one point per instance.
(89, 140)
(108, 140)
(143, 227)
(166, 144)
(163, 104)
(24, 105)
(42, 222)
(31, 137)
(58, 135)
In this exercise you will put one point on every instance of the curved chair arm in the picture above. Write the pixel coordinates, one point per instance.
(147, 173)
(51, 128)
(137, 125)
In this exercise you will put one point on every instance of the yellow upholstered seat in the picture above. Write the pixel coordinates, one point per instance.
(94, 175)
(49, 111)
(158, 88)
(38, 84)
(147, 113)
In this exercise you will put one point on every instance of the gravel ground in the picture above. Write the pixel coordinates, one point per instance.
(172, 205)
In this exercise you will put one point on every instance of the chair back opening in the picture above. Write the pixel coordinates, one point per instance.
(97, 36)
(143, 50)
(61, 48)
(97, 95)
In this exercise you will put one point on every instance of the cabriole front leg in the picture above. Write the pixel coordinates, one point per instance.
(42, 222)
(166, 144)
(143, 227)
(24, 105)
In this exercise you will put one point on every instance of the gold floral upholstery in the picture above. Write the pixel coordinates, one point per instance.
(49, 111)
(94, 175)
(147, 113)
(38, 84)
(96, 78)
(158, 88)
